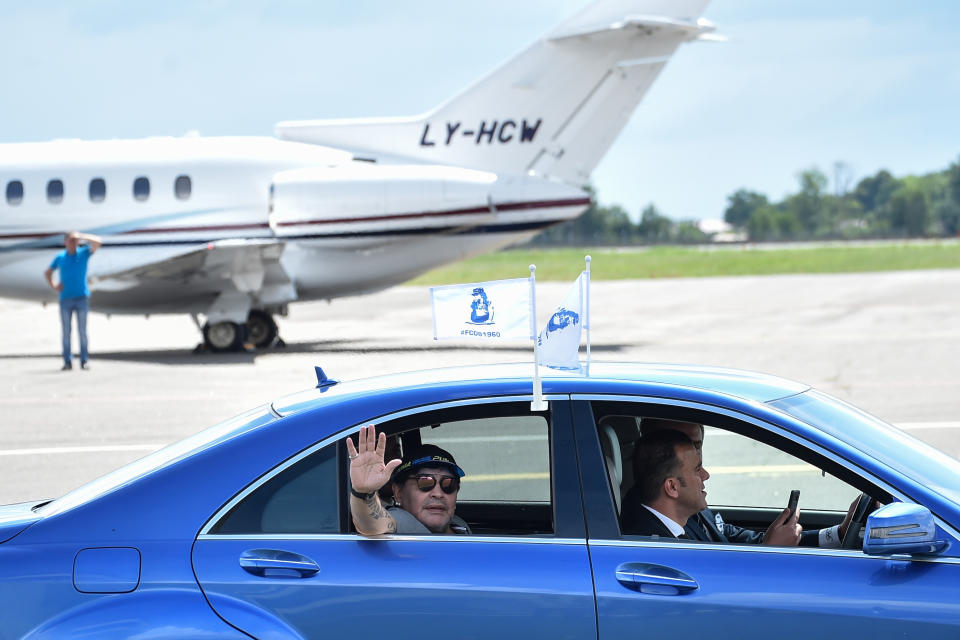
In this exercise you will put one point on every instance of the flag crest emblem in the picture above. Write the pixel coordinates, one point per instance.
(481, 307)
(559, 342)
(561, 319)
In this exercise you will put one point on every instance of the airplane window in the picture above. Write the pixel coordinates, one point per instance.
(182, 187)
(14, 192)
(141, 188)
(98, 190)
(55, 191)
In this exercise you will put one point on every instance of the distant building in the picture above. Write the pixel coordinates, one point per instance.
(720, 231)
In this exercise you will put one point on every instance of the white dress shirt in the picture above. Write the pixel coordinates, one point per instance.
(674, 528)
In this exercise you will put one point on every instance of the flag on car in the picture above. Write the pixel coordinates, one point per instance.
(559, 341)
(484, 311)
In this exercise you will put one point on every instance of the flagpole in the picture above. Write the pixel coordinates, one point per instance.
(538, 404)
(586, 325)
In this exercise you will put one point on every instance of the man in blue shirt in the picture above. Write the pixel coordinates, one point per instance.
(74, 292)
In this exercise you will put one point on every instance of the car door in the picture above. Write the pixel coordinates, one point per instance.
(306, 576)
(657, 588)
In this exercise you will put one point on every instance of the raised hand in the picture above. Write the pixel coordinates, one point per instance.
(367, 469)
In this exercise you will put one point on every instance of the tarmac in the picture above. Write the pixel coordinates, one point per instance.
(886, 342)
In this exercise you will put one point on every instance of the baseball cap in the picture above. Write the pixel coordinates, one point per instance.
(426, 455)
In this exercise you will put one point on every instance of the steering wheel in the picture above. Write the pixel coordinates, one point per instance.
(851, 539)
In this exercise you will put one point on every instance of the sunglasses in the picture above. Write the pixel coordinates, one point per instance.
(426, 482)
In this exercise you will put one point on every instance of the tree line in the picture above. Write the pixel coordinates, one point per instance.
(878, 206)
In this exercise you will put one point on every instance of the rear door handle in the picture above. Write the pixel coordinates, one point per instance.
(272, 563)
(655, 578)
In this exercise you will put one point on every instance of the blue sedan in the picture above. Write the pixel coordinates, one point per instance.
(244, 530)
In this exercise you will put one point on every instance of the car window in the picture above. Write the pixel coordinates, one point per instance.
(302, 498)
(506, 489)
(506, 458)
(748, 473)
(927, 465)
(750, 478)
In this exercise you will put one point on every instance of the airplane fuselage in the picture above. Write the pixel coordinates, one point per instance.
(342, 226)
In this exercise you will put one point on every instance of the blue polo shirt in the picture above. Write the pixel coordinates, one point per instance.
(73, 272)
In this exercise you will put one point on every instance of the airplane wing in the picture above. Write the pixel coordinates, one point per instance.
(237, 273)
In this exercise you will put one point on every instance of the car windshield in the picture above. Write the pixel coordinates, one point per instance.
(169, 454)
(901, 451)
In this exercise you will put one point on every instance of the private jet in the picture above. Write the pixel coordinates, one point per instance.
(232, 230)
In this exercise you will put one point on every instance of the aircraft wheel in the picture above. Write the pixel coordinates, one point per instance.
(222, 336)
(263, 328)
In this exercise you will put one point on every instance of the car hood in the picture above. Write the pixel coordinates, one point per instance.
(14, 518)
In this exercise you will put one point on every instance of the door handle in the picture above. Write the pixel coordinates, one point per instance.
(271, 563)
(655, 578)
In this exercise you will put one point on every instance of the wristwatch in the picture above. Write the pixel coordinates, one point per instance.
(362, 496)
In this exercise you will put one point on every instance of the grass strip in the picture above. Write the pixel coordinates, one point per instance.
(697, 262)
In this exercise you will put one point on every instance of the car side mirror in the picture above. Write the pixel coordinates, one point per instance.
(902, 528)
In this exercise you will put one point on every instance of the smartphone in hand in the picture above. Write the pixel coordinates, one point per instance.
(792, 503)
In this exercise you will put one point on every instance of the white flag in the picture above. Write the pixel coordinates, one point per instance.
(559, 342)
(483, 311)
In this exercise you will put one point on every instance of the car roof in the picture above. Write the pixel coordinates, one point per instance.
(517, 379)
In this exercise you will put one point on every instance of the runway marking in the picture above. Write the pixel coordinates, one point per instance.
(727, 470)
(469, 439)
(42, 451)
(158, 399)
(761, 468)
(913, 426)
(496, 477)
(714, 432)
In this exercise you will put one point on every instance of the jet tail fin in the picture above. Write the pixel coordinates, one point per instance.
(553, 110)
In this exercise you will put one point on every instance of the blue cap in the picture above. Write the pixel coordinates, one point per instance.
(426, 455)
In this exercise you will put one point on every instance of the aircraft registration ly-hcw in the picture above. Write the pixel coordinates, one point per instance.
(234, 229)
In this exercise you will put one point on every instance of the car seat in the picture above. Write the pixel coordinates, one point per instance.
(610, 445)
(617, 436)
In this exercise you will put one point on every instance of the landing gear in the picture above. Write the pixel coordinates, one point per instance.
(223, 336)
(263, 329)
(260, 331)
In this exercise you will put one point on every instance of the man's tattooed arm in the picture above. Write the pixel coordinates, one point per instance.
(369, 516)
(374, 508)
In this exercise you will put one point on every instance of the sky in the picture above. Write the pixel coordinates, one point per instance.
(874, 84)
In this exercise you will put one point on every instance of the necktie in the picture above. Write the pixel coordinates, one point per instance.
(695, 529)
(706, 528)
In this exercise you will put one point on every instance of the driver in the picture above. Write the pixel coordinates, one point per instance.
(710, 526)
(425, 484)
